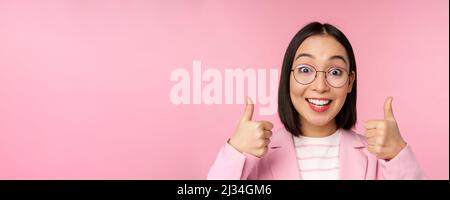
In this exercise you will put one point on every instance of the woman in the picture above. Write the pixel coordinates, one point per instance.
(317, 106)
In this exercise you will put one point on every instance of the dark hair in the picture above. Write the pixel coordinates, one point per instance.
(346, 118)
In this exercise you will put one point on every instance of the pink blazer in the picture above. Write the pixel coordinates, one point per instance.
(280, 162)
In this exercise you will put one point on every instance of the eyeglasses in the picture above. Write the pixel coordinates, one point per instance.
(335, 76)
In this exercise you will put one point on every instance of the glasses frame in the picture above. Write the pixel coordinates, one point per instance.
(325, 74)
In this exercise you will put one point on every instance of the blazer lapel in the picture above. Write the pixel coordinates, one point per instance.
(352, 161)
(282, 157)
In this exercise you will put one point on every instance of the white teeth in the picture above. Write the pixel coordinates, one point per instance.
(318, 102)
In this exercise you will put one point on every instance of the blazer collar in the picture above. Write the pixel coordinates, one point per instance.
(283, 158)
(352, 161)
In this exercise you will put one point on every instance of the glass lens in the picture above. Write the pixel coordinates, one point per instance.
(337, 76)
(304, 74)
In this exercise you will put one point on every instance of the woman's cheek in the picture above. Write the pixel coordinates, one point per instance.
(340, 101)
(297, 96)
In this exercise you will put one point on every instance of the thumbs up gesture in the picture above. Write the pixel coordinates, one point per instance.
(383, 136)
(251, 137)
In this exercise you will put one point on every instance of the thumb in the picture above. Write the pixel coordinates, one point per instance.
(248, 113)
(388, 114)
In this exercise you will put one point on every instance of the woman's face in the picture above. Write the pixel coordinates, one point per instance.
(319, 102)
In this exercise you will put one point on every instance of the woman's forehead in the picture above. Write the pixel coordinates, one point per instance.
(321, 47)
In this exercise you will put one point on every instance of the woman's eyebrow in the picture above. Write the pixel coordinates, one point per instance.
(338, 57)
(331, 58)
(304, 54)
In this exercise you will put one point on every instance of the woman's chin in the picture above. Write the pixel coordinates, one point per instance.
(319, 121)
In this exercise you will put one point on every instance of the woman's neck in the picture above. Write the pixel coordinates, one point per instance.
(310, 130)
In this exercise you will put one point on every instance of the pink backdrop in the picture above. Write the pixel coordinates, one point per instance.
(85, 86)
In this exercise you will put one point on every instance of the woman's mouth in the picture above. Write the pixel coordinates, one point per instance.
(319, 104)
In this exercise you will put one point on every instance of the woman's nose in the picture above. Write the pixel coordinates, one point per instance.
(320, 83)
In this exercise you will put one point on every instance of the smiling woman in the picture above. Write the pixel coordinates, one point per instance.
(317, 106)
(309, 95)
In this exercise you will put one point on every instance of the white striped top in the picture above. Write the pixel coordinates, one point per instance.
(318, 157)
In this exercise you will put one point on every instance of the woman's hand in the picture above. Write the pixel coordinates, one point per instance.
(251, 137)
(383, 136)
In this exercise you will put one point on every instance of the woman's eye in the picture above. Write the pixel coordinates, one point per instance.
(335, 72)
(304, 70)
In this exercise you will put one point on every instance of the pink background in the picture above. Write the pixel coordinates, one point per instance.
(84, 85)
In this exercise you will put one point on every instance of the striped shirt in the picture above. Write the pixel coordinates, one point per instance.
(318, 157)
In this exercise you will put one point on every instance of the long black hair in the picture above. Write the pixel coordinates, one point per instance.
(346, 118)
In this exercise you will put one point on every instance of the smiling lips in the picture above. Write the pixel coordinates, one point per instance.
(319, 104)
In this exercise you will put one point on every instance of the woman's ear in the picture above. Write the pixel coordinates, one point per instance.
(352, 79)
